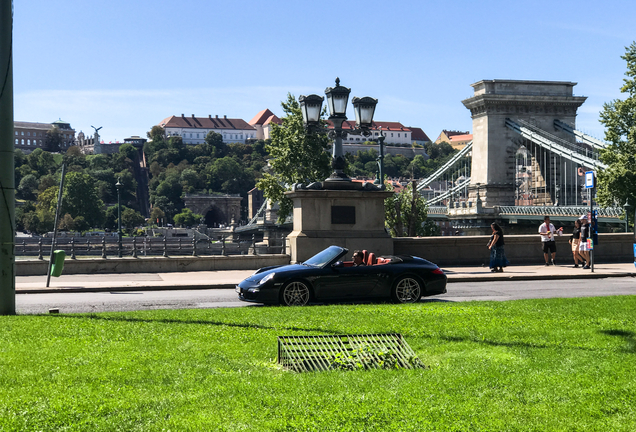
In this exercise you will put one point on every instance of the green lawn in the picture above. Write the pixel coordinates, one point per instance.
(533, 365)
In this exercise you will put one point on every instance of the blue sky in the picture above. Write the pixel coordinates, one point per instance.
(126, 65)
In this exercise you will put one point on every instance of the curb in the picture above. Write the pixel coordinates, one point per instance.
(538, 277)
(56, 290)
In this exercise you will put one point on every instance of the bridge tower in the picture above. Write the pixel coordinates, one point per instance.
(495, 146)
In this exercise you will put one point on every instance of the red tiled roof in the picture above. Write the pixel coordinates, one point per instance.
(453, 133)
(262, 117)
(272, 119)
(205, 123)
(417, 134)
(466, 137)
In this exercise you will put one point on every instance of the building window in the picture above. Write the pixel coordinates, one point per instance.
(391, 134)
(16, 132)
(28, 142)
(22, 141)
(17, 141)
(22, 133)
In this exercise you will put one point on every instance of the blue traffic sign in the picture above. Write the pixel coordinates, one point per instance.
(589, 180)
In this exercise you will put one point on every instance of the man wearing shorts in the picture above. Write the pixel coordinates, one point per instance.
(547, 232)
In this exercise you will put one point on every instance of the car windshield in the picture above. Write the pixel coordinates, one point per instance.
(324, 257)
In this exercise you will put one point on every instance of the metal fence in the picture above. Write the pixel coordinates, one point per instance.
(105, 247)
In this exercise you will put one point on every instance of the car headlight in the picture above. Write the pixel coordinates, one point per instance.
(267, 278)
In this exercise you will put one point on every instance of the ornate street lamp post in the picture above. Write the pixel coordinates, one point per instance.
(337, 98)
(118, 185)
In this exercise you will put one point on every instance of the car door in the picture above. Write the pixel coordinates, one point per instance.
(347, 282)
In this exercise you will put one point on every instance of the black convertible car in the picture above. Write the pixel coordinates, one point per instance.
(323, 277)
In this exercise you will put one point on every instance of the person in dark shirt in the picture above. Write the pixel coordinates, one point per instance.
(575, 241)
(358, 259)
(496, 245)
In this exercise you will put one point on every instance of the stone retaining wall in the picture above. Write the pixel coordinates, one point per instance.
(520, 249)
(444, 251)
(153, 264)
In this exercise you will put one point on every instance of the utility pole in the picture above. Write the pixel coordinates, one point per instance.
(7, 181)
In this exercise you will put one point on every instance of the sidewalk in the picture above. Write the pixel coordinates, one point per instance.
(229, 278)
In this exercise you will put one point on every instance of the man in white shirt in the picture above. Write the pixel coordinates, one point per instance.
(547, 232)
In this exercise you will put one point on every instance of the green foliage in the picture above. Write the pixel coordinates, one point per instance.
(297, 156)
(131, 219)
(406, 213)
(187, 218)
(128, 150)
(53, 140)
(80, 198)
(530, 365)
(617, 183)
(28, 187)
(156, 215)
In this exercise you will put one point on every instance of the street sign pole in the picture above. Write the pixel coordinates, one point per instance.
(590, 183)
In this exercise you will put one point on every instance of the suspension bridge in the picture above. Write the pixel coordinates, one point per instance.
(526, 160)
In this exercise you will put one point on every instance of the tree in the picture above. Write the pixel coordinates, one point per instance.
(156, 215)
(617, 183)
(53, 140)
(297, 156)
(157, 133)
(81, 198)
(128, 150)
(28, 187)
(406, 213)
(131, 218)
(187, 218)
(215, 141)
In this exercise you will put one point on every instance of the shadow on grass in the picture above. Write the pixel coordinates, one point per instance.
(512, 344)
(174, 321)
(628, 336)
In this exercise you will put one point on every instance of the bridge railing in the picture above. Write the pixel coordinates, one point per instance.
(105, 247)
(610, 212)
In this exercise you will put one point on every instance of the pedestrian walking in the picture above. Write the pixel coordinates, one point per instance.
(496, 245)
(575, 242)
(547, 231)
(584, 249)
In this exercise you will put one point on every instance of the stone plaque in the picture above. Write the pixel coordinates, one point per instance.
(343, 215)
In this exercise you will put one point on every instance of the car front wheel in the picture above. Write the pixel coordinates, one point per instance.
(295, 293)
(406, 290)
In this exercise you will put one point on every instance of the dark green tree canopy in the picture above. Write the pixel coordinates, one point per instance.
(296, 156)
(617, 183)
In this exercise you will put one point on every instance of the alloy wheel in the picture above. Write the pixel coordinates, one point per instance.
(295, 294)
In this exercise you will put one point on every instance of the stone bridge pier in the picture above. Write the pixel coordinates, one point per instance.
(495, 146)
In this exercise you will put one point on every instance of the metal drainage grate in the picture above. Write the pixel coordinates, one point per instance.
(346, 352)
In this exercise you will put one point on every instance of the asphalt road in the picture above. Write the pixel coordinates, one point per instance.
(188, 299)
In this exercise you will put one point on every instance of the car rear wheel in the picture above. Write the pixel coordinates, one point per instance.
(295, 293)
(407, 290)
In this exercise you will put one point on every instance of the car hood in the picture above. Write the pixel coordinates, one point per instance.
(261, 274)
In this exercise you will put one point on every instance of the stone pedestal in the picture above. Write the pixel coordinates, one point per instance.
(352, 219)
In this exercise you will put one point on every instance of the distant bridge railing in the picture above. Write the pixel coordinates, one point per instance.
(608, 212)
(438, 210)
